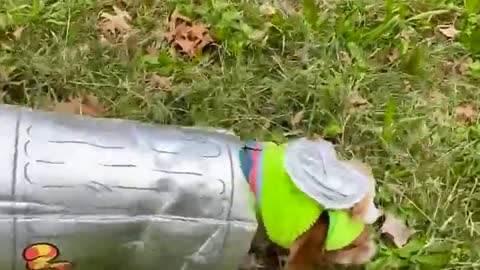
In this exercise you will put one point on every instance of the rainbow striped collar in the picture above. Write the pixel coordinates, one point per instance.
(251, 159)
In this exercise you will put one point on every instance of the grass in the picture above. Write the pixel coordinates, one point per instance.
(329, 59)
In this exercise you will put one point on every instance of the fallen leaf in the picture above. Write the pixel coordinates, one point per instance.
(184, 46)
(186, 37)
(357, 101)
(17, 34)
(176, 19)
(297, 118)
(115, 27)
(393, 55)
(345, 58)
(407, 34)
(462, 66)
(159, 82)
(152, 50)
(104, 41)
(466, 113)
(86, 105)
(267, 9)
(396, 229)
(448, 30)
(407, 86)
(121, 3)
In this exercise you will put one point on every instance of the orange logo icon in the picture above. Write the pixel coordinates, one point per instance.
(41, 256)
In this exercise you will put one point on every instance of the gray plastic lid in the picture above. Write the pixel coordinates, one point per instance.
(314, 168)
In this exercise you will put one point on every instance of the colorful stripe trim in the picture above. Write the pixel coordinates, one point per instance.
(260, 176)
(251, 157)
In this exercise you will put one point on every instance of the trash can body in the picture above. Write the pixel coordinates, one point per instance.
(118, 194)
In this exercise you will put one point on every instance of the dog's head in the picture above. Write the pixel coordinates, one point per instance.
(309, 249)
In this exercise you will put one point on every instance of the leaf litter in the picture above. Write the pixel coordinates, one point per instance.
(396, 229)
(393, 55)
(466, 113)
(17, 34)
(158, 82)
(85, 105)
(186, 37)
(115, 28)
(448, 31)
(297, 118)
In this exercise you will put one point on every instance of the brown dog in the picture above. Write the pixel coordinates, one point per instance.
(308, 250)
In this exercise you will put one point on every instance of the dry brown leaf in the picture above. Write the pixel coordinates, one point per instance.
(297, 118)
(177, 19)
(357, 101)
(462, 66)
(407, 34)
(17, 34)
(396, 229)
(199, 34)
(345, 58)
(186, 37)
(466, 113)
(407, 86)
(267, 10)
(87, 105)
(393, 55)
(160, 83)
(152, 50)
(116, 26)
(448, 30)
(177, 24)
(184, 46)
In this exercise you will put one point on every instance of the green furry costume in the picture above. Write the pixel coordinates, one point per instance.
(286, 211)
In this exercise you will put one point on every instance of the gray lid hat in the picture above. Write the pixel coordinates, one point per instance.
(314, 168)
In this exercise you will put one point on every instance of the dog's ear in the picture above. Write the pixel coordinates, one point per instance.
(307, 250)
(365, 210)
(361, 251)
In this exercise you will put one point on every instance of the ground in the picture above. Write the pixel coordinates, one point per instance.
(393, 83)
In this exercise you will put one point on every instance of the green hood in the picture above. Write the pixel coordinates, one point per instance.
(287, 212)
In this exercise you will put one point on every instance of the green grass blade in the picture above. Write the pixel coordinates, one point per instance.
(472, 6)
(385, 27)
(311, 11)
(388, 120)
